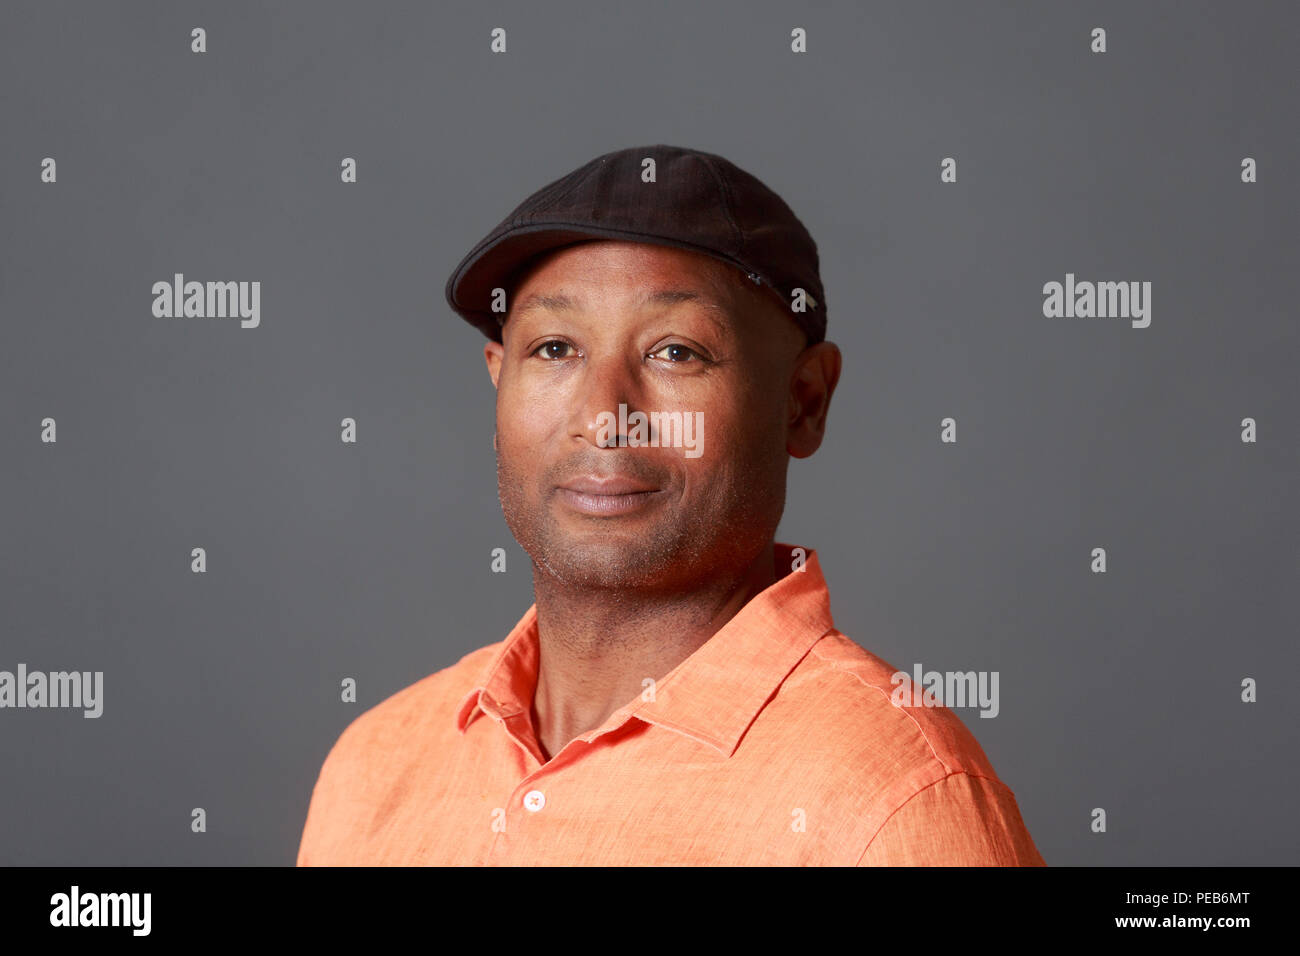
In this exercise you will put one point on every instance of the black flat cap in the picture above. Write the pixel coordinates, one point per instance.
(697, 201)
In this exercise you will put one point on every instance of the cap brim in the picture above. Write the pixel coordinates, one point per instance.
(494, 263)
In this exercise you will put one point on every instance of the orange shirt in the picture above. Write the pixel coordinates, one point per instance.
(775, 743)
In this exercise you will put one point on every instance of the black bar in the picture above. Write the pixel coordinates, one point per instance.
(650, 906)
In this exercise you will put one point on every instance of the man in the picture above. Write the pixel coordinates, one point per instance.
(678, 693)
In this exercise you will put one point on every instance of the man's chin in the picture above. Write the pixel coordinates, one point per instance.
(610, 558)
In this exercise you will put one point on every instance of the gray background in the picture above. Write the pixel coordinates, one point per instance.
(328, 560)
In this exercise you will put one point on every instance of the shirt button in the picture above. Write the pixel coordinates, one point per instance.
(534, 800)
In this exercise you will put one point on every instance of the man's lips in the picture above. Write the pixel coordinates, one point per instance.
(606, 494)
(606, 485)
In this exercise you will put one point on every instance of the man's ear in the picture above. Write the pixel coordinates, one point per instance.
(816, 373)
(493, 353)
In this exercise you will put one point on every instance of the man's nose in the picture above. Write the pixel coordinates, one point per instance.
(605, 384)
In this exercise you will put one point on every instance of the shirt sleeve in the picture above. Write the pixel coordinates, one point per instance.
(960, 820)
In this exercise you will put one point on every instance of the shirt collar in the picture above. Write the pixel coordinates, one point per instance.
(715, 693)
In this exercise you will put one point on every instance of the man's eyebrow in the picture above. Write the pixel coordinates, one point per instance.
(554, 303)
(675, 296)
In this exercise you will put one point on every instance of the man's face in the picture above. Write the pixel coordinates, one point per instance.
(656, 329)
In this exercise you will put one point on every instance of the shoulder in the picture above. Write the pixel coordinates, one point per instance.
(385, 744)
(430, 702)
(845, 697)
(917, 768)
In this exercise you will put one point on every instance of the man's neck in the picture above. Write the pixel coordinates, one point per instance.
(597, 647)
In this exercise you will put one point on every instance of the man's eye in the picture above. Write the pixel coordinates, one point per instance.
(676, 353)
(554, 349)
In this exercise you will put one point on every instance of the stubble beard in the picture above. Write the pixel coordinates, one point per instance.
(667, 553)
